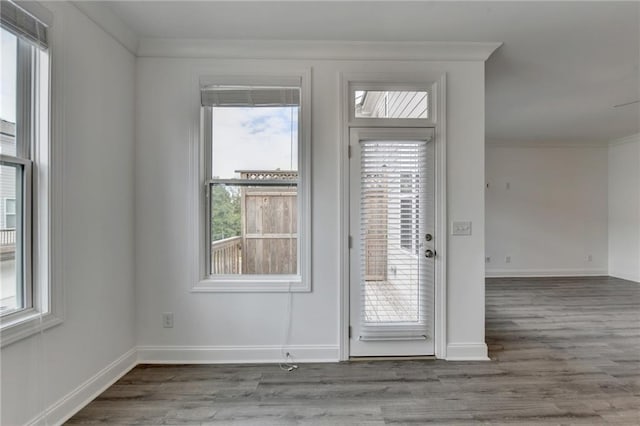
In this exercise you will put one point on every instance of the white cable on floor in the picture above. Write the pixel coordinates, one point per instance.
(288, 362)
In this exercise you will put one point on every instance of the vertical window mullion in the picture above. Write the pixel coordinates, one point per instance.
(303, 176)
(25, 216)
(208, 160)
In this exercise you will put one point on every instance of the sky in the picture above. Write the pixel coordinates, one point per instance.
(264, 138)
(7, 76)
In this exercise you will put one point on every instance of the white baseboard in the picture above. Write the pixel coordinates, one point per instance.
(628, 277)
(235, 354)
(533, 273)
(62, 410)
(467, 352)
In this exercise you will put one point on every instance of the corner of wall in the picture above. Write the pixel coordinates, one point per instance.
(624, 207)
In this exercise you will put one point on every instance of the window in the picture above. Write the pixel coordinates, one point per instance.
(25, 295)
(256, 209)
(9, 213)
(391, 104)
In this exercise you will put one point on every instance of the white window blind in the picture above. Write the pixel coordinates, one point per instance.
(242, 96)
(396, 189)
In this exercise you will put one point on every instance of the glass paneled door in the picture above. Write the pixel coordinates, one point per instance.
(392, 253)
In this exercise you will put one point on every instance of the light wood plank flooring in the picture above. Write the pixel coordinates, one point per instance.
(564, 351)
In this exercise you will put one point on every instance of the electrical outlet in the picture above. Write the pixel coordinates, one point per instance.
(507, 259)
(508, 185)
(590, 258)
(487, 259)
(167, 320)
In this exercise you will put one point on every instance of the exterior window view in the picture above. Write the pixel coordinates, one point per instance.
(253, 190)
(10, 289)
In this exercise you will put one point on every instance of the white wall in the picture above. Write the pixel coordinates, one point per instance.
(97, 91)
(624, 208)
(553, 216)
(241, 326)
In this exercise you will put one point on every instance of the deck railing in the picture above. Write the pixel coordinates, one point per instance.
(226, 256)
(7, 237)
(7, 244)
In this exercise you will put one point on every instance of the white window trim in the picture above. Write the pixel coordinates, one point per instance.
(203, 283)
(46, 252)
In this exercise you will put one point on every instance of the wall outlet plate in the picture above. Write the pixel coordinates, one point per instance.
(167, 319)
(460, 228)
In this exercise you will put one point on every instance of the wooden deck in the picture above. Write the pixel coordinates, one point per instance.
(564, 351)
(385, 302)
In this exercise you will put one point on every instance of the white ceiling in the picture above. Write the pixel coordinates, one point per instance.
(555, 80)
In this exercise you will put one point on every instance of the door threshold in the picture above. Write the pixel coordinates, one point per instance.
(393, 358)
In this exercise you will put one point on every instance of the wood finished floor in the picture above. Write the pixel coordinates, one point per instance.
(564, 351)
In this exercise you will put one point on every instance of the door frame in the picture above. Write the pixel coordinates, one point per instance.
(436, 85)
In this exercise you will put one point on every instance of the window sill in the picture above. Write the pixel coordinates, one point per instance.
(275, 284)
(26, 324)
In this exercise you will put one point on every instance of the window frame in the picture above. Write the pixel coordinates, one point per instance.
(40, 212)
(301, 281)
(23, 232)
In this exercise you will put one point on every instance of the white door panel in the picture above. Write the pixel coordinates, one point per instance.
(391, 214)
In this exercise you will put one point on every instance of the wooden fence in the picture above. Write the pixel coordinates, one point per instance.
(270, 230)
(270, 224)
(376, 235)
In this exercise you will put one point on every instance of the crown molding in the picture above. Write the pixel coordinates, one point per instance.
(104, 18)
(327, 50)
(627, 139)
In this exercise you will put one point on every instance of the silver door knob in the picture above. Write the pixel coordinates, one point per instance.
(429, 254)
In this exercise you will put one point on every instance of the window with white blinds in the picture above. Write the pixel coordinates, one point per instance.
(396, 207)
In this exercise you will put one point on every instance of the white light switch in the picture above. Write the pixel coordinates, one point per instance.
(460, 228)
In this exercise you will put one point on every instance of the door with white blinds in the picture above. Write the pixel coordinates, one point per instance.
(392, 235)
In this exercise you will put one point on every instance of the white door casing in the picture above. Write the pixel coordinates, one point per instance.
(392, 209)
